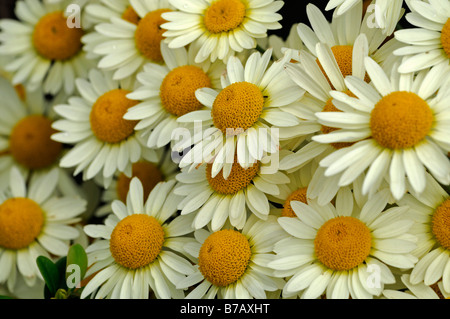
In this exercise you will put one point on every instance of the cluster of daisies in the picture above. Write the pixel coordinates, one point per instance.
(194, 155)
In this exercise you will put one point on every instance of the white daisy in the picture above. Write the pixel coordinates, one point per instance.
(47, 52)
(386, 13)
(150, 258)
(214, 200)
(343, 251)
(219, 28)
(246, 124)
(399, 126)
(417, 291)
(232, 264)
(123, 46)
(431, 210)
(167, 92)
(428, 44)
(34, 222)
(103, 141)
(155, 166)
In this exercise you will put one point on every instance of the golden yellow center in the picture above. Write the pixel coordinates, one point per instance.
(343, 243)
(131, 16)
(148, 173)
(441, 224)
(54, 40)
(30, 142)
(238, 179)
(107, 122)
(224, 15)
(298, 195)
(136, 241)
(238, 106)
(445, 38)
(149, 34)
(401, 120)
(178, 88)
(21, 221)
(224, 257)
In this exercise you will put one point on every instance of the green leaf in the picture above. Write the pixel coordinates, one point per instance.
(77, 261)
(49, 272)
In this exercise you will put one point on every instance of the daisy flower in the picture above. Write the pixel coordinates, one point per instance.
(417, 291)
(130, 264)
(399, 126)
(104, 142)
(167, 92)
(123, 45)
(219, 28)
(386, 13)
(242, 118)
(34, 222)
(47, 52)
(155, 166)
(214, 199)
(339, 250)
(428, 44)
(431, 210)
(231, 264)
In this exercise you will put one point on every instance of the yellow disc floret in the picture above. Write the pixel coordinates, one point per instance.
(148, 173)
(54, 40)
(441, 224)
(238, 179)
(224, 15)
(149, 35)
(343, 243)
(237, 107)
(107, 122)
(178, 88)
(21, 221)
(224, 257)
(136, 241)
(30, 142)
(401, 120)
(445, 38)
(131, 16)
(297, 195)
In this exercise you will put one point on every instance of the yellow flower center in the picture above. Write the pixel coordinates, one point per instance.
(441, 224)
(136, 241)
(343, 243)
(178, 88)
(131, 16)
(238, 179)
(224, 15)
(298, 195)
(149, 35)
(21, 221)
(54, 40)
(400, 120)
(224, 257)
(30, 142)
(107, 122)
(149, 175)
(445, 38)
(237, 107)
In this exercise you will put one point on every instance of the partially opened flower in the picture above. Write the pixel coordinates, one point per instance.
(34, 222)
(220, 28)
(139, 249)
(337, 250)
(104, 142)
(428, 44)
(231, 264)
(47, 51)
(398, 125)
